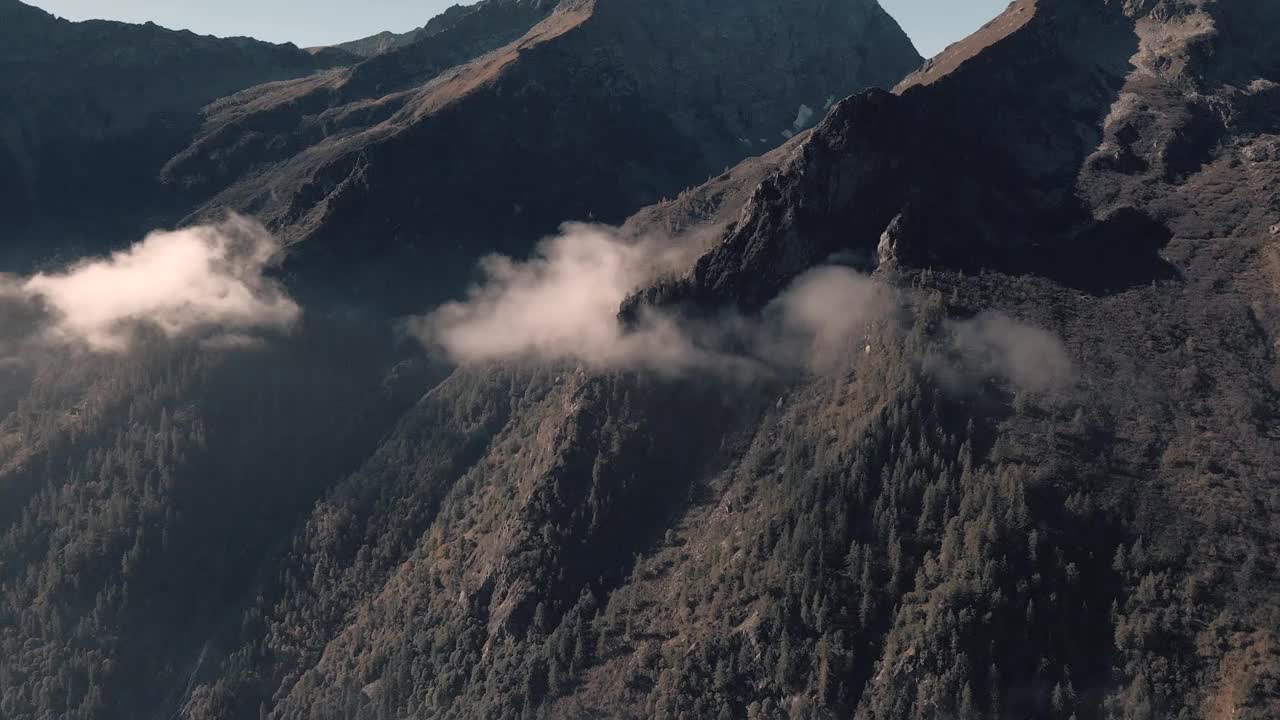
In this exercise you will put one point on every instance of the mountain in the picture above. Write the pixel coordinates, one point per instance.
(172, 418)
(517, 116)
(961, 402)
(90, 111)
(1034, 483)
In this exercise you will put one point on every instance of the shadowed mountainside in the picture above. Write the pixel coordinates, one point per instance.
(90, 111)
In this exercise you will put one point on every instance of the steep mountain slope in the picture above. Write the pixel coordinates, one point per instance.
(1031, 477)
(1038, 484)
(152, 499)
(90, 111)
(413, 160)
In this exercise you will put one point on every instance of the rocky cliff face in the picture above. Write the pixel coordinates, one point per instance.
(90, 111)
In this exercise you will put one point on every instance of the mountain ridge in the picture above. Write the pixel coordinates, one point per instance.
(313, 189)
(388, 40)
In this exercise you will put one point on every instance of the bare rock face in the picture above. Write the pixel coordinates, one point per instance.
(91, 110)
(589, 112)
(895, 241)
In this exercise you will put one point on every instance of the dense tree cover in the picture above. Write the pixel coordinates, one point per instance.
(140, 491)
(881, 540)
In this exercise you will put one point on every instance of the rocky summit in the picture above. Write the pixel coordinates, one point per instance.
(797, 378)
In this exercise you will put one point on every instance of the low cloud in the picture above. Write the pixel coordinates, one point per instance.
(812, 323)
(208, 280)
(563, 304)
(992, 343)
(803, 116)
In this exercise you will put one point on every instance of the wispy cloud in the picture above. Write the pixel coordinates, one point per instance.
(563, 304)
(207, 280)
(994, 344)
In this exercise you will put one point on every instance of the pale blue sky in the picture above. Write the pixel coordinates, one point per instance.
(930, 23)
